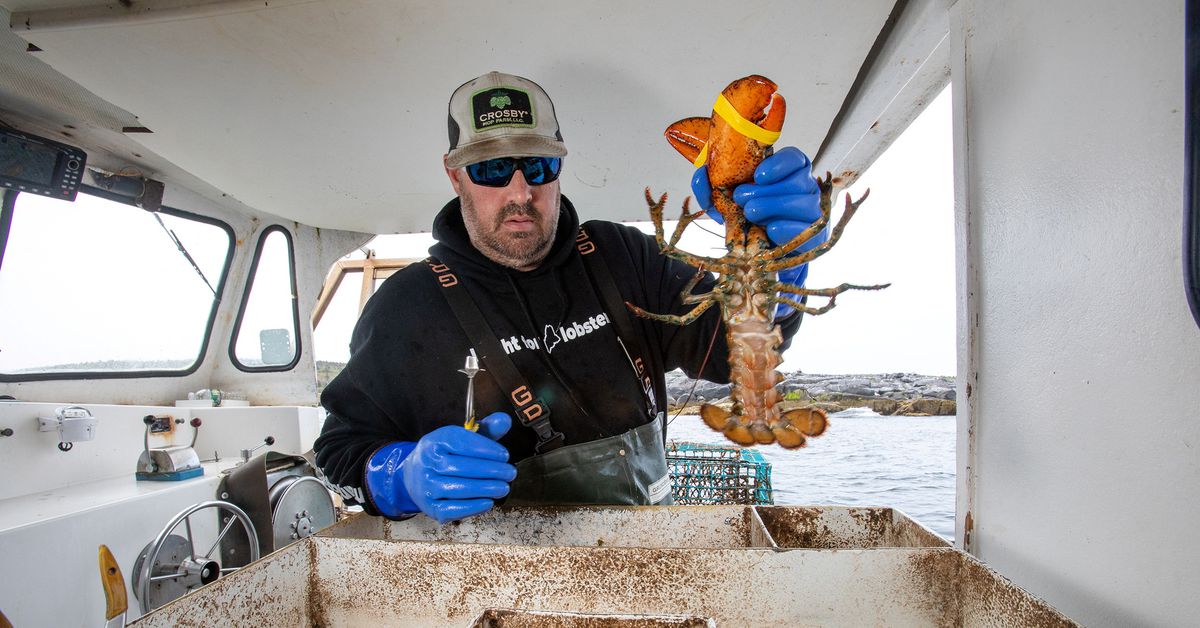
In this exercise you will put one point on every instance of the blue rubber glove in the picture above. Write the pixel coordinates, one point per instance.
(451, 473)
(784, 199)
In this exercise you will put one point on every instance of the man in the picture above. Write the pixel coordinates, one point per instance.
(515, 280)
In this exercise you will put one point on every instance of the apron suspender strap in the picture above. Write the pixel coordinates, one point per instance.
(610, 296)
(531, 411)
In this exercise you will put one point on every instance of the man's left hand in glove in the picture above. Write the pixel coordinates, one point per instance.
(784, 199)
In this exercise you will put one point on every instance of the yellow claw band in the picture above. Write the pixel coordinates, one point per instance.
(731, 116)
(471, 424)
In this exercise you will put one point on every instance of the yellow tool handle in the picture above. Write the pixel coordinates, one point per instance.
(115, 599)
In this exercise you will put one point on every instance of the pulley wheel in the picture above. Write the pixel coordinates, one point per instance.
(300, 507)
(172, 565)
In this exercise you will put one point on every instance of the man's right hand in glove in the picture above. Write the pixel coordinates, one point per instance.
(451, 473)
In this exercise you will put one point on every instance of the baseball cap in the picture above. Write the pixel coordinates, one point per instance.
(501, 115)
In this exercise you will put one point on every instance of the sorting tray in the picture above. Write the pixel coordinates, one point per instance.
(622, 566)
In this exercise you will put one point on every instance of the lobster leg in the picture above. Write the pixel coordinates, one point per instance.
(656, 215)
(789, 262)
(822, 292)
(800, 307)
(686, 293)
(685, 219)
(825, 292)
(718, 265)
(795, 243)
(816, 227)
(668, 248)
(695, 260)
(672, 319)
(804, 236)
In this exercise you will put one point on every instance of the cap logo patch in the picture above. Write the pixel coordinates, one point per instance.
(501, 107)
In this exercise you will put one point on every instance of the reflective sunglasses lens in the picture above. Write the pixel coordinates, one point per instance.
(541, 170)
(493, 172)
(497, 173)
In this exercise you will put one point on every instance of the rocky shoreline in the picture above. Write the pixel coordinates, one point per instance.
(891, 394)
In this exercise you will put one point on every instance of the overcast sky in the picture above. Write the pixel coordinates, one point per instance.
(903, 234)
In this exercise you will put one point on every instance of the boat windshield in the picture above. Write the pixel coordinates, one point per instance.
(97, 286)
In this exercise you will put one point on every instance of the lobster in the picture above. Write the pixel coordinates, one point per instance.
(745, 122)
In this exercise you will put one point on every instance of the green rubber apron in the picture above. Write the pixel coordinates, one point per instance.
(629, 468)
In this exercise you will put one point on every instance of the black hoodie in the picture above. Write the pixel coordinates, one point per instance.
(402, 380)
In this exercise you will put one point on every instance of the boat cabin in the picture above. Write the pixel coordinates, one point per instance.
(182, 179)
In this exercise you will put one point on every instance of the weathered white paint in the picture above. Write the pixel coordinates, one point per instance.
(1085, 361)
(57, 507)
(911, 68)
(50, 571)
(333, 112)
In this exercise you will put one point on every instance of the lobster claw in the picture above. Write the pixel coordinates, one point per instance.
(756, 99)
(744, 104)
(688, 136)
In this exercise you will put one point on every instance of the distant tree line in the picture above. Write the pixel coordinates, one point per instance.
(326, 371)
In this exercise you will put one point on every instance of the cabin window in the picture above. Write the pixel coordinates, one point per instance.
(333, 324)
(266, 335)
(348, 285)
(96, 287)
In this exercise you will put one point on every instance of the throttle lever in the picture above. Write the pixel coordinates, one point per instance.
(246, 453)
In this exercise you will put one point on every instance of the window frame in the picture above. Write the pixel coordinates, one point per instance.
(8, 205)
(250, 276)
(8, 210)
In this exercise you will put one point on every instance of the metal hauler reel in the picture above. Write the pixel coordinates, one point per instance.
(300, 507)
(283, 497)
(172, 565)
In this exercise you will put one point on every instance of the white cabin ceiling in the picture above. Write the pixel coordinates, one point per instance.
(333, 112)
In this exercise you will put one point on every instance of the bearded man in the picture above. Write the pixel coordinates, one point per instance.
(539, 299)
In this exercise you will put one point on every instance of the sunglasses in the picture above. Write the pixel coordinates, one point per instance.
(497, 173)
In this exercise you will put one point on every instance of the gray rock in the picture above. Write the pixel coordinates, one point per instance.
(884, 387)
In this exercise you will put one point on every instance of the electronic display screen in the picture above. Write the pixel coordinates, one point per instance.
(27, 161)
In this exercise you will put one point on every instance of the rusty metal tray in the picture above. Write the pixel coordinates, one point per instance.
(646, 566)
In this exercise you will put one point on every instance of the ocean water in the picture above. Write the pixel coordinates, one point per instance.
(865, 459)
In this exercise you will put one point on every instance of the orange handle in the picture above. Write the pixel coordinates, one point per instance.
(115, 599)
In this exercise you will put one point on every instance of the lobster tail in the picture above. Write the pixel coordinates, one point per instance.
(790, 431)
(727, 423)
(794, 425)
(808, 421)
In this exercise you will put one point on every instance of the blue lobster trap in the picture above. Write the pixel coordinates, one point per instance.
(712, 474)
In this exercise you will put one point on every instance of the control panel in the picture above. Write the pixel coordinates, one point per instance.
(37, 165)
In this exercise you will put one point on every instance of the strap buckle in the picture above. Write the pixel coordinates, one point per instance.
(548, 440)
(548, 437)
